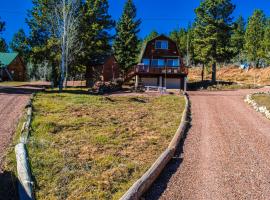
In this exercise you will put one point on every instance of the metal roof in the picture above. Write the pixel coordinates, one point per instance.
(7, 58)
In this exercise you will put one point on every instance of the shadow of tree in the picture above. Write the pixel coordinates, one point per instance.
(8, 186)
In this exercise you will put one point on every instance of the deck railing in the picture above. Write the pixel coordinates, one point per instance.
(160, 70)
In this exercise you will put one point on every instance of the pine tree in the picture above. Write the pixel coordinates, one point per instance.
(20, 44)
(150, 36)
(126, 44)
(254, 37)
(238, 36)
(95, 35)
(180, 37)
(213, 26)
(3, 44)
(266, 42)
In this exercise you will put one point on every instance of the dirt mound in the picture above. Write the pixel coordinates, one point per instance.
(260, 76)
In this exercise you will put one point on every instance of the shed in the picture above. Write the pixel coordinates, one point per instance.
(12, 67)
(105, 69)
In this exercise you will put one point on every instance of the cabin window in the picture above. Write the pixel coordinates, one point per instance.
(158, 62)
(146, 61)
(162, 44)
(173, 62)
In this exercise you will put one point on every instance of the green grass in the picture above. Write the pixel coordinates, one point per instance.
(262, 100)
(95, 147)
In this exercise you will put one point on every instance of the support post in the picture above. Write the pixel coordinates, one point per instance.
(136, 82)
(185, 84)
(160, 81)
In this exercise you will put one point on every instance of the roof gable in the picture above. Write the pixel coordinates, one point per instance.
(7, 58)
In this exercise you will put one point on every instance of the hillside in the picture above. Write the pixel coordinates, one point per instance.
(234, 74)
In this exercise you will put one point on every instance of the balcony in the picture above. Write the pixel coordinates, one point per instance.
(146, 69)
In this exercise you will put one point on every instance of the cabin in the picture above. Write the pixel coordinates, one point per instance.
(12, 67)
(161, 65)
(105, 69)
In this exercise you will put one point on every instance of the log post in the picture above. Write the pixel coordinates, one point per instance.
(24, 173)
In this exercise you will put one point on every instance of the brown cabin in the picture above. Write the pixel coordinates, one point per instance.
(161, 65)
(105, 70)
(12, 67)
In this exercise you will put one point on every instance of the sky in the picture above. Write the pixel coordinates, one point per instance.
(160, 15)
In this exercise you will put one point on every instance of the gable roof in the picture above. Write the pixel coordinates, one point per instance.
(7, 58)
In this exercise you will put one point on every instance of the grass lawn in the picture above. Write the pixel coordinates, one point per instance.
(262, 100)
(95, 147)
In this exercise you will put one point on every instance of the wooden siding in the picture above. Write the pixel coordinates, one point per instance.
(17, 69)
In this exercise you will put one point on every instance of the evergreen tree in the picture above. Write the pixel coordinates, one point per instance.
(20, 44)
(126, 44)
(45, 47)
(238, 36)
(3, 44)
(151, 36)
(213, 27)
(266, 42)
(180, 37)
(254, 37)
(95, 35)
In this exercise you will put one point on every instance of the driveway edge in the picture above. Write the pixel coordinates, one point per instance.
(25, 184)
(144, 183)
(258, 108)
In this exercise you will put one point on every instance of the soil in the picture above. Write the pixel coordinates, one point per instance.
(225, 154)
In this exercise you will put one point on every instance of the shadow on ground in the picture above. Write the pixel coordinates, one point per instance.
(194, 86)
(8, 186)
(161, 183)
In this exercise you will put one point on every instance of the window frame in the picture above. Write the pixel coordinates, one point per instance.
(173, 65)
(149, 60)
(167, 46)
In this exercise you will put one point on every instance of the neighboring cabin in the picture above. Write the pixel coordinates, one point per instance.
(161, 65)
(12, 67)
(105, 70)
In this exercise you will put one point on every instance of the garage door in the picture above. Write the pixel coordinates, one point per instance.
(149, 81)
(173, 83)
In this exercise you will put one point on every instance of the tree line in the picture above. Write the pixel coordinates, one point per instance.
(67, 36)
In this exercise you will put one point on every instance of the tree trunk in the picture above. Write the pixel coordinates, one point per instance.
(214, 72)
(203, 73)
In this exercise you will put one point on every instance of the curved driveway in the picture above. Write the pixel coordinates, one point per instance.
(12, 103)
(226, 153)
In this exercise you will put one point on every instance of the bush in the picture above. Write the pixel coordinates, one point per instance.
(101, 87)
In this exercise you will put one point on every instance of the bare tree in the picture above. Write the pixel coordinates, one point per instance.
(65, 25)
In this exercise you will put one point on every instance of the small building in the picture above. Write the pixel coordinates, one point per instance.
(12, 67)
(105, 69)
(161, 65)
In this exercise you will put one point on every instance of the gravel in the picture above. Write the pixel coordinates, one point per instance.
(12, 103)
(225, 155)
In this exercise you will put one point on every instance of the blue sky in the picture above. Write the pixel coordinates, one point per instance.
(160, 15)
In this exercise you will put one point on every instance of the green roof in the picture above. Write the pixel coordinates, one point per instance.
(7, 58)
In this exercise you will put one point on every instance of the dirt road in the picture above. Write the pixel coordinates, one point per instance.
(226, 153)
(12, 103)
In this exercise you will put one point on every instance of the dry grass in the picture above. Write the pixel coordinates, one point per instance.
(13, 83)
(234, 74)
(95, 147)
(262, 100)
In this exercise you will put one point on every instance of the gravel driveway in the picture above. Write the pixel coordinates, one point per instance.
(226, 153)
(12, 103)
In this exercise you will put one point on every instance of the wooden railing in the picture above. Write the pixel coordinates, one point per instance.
(160, 70)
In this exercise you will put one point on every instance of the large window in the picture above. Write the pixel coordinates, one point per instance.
(162, 44)
(146, 61)
(158, 62)
(173, 63)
